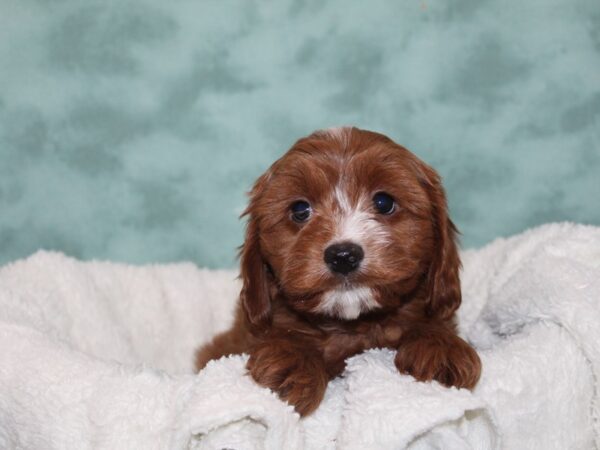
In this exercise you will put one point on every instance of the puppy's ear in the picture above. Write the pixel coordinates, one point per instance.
(444, 294)
(255, 295)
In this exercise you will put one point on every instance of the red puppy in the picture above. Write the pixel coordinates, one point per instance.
(348, 247)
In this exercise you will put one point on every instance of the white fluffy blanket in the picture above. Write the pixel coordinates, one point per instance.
(99, 355)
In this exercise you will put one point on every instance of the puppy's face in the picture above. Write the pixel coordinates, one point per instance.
(346, 222)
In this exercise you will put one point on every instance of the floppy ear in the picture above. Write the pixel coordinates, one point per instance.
(444, 294)
(255, 296)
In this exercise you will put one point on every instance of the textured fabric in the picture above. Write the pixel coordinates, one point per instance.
(130, 130)
(99, 355)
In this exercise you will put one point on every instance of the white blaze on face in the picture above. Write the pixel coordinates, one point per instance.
(356, 223)
(347, 303)
(340, 134)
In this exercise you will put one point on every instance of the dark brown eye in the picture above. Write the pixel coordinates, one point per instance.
(384, 203)
(300, 211)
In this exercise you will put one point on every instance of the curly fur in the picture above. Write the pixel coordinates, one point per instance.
(298, 320)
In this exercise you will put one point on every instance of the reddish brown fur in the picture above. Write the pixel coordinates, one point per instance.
(413, 275)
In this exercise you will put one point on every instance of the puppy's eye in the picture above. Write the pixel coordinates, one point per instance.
(384, 203)
(300, 211)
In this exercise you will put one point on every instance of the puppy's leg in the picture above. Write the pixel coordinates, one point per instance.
(292, 369)
(231, 342)
(432, 352)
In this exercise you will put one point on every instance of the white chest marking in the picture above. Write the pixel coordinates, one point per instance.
(347, 303)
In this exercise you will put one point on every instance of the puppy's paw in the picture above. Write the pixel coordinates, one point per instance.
(442, 357)
(298, 377)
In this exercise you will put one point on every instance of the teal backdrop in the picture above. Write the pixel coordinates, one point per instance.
(131, 130)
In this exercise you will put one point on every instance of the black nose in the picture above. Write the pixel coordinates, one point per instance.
(343, 257)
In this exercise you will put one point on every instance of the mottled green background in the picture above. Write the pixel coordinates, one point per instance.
(131, 130)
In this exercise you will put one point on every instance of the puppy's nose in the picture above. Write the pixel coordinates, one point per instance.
(343, 257)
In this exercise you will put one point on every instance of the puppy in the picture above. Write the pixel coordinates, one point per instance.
(348, 247)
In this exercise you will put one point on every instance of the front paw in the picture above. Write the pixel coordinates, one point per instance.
(445, 358)
(298, 377)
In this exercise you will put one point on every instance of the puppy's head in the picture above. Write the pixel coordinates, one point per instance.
(348, 222)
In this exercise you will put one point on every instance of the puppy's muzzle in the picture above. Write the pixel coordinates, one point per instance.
(344, 257)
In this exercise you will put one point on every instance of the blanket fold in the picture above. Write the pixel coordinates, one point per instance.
(99, 355)
(403, 413)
